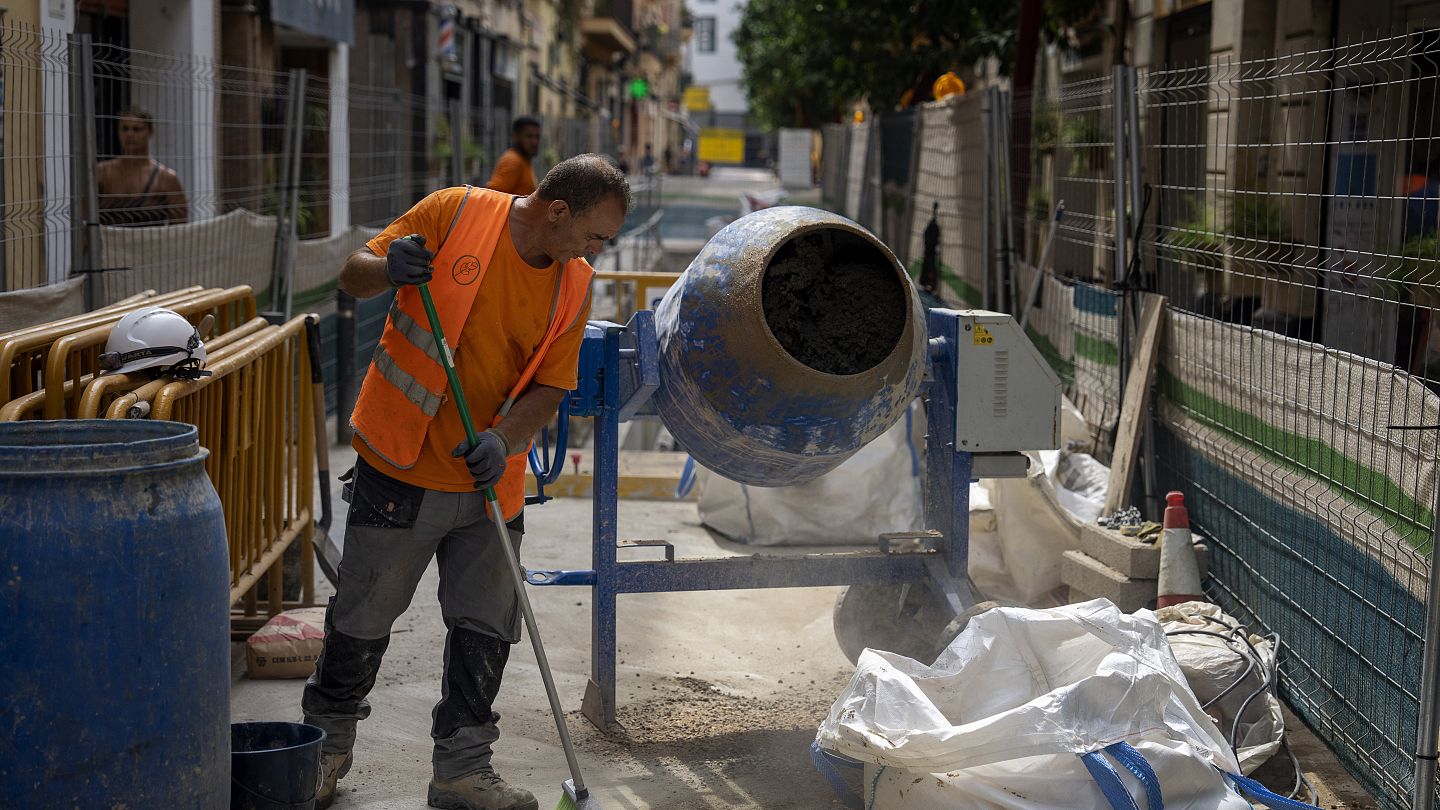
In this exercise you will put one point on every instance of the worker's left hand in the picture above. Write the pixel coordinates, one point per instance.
(486, 459)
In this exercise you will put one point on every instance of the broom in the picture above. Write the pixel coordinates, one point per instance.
(575, 797)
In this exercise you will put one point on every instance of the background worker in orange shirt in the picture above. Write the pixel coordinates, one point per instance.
(513, 173)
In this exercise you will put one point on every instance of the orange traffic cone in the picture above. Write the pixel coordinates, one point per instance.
(1179, 572)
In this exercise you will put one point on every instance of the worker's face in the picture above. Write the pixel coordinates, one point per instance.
(527, 140)
(575, 236)
(134, 136)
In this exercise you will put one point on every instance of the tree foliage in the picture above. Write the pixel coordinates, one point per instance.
(803, 61)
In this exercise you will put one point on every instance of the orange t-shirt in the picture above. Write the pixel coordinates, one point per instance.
(507, 322)
(513, 174)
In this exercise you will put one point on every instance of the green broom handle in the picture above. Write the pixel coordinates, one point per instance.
(448, 363)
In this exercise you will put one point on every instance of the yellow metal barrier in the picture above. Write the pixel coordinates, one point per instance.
(96, 389)
(22, 352)
(635, 291)
(102, 390)
(254, 416)
(76, 355)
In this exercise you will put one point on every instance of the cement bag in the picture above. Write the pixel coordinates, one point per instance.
(1008, 712)
(1240, 674)
(287, 646)
(877, 490)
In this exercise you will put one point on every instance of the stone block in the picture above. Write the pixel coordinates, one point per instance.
(1130, 557)
(1091, 578)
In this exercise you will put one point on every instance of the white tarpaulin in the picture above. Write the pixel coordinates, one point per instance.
(875, 491)
(1002, 718)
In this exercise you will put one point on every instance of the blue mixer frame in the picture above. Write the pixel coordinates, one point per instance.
(619, 372)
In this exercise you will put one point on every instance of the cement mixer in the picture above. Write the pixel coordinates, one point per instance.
(792, 339)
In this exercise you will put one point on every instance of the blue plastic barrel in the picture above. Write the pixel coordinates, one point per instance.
(114, 618)
(792, 339)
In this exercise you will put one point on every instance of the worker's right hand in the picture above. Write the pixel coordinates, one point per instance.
(408, 262)
(486, 459)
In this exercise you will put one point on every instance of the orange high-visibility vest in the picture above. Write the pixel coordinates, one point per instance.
(406, 385)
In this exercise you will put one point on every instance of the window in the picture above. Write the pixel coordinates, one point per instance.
(705, 34)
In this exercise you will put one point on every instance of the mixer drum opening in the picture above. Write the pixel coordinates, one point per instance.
(833, 301)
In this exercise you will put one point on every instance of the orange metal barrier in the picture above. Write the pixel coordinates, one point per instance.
(103, 390)
(254, 415)
(97, 390)
(74, 356)
(634, 291)
(22, 352)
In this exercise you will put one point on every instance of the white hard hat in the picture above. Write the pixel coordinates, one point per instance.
(154, 338)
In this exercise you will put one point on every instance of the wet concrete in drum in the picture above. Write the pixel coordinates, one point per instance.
(836, 314)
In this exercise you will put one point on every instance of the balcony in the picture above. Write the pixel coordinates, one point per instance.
(606, 30)
(663, 42)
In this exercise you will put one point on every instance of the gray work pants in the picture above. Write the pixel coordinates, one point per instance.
(394, 530)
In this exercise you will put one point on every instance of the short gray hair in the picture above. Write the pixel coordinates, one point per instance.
(583, 181)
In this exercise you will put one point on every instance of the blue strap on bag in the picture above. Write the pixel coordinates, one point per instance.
(826, 763)
(1108, 779)
(1133, 761)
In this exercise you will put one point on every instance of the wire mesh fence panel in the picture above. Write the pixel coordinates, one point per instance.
(891, 179)
(949, 190)
(1035, 136)
(383, 152)
(1080, 174)
(855, 168)
(1293, 209)
(835, 157)
(36, 233)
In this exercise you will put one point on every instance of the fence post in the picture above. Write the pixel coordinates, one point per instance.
(907, 223)
(288, 211)
(1003, 158)
(987, 195)
(1427, 740)
(1119, 168)
(4, 230)
(345, 383)
(1150, 424)
(457, 142)
(85, 255)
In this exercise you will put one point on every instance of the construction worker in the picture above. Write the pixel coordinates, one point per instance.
(513, 294)
(513, 173)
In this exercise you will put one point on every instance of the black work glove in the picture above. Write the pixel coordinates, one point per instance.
(486, 459)
(408, 262)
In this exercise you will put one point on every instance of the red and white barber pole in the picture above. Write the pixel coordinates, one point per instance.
(1179, 570)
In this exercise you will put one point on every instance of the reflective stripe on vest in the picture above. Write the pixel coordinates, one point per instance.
(419, 336)
(427, 401)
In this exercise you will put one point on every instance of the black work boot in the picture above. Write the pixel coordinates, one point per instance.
(466, 725)
(483, 790)
(334, 697)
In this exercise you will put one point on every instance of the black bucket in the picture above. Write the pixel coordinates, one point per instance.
(274, 766)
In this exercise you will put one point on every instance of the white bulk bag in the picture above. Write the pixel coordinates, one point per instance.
(1003, 717)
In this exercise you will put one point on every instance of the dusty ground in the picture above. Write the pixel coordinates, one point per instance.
(720, 693)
